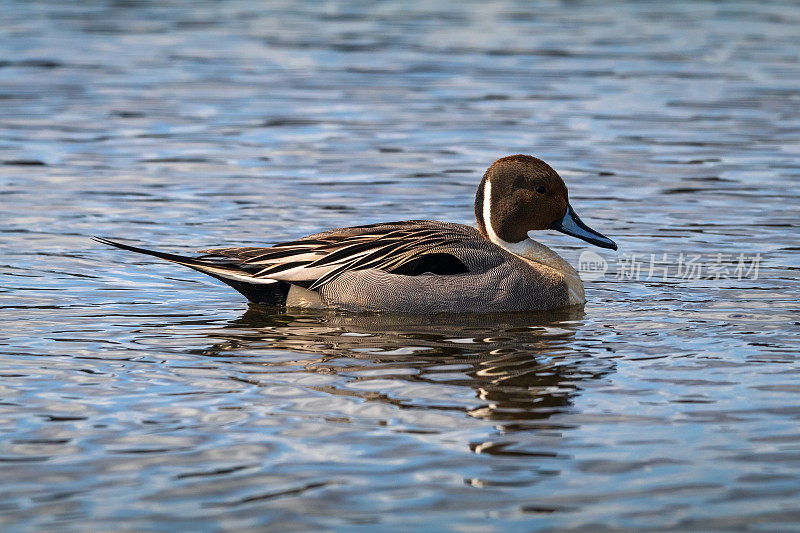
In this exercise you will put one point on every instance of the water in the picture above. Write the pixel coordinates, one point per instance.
(139, 395)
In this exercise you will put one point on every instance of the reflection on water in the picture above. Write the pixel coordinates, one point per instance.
(138, 395)
(519, 365)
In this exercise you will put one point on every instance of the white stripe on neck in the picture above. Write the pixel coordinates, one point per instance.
(533, 251)
(518, 248)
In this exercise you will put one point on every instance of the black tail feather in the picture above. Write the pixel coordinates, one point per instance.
(257, 291)
(182, 259)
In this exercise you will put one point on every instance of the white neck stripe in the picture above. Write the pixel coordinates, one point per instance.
(487, 217)
(518, 248)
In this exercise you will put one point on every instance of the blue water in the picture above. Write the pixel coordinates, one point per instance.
(136, 395)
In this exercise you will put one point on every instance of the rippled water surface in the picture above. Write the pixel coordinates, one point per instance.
(139, 395)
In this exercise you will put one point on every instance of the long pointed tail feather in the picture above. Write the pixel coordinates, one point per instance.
(252, 288)
(182, 259)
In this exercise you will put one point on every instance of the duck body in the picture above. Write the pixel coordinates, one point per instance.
(420, 266)
(459, 270)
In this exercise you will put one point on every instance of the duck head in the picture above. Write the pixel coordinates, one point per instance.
(520, 193)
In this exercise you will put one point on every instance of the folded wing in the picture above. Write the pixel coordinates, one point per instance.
(410, 247)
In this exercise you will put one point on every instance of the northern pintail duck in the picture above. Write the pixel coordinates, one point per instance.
(422, 266)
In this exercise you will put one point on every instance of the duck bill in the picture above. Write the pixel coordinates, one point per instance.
(571, 224)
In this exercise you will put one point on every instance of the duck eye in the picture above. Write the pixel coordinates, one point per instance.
(540, 189)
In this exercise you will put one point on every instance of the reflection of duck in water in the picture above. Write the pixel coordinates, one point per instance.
(520, 365)
(423, 266)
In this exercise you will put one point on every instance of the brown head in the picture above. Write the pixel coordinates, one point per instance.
(520, 193)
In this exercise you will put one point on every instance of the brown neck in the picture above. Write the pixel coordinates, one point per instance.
(479, 208)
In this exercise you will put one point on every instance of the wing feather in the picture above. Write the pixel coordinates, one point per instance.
(321, 258)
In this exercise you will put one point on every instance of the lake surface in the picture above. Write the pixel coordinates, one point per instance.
(137, 395)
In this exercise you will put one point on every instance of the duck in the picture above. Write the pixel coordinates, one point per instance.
(421, 266)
